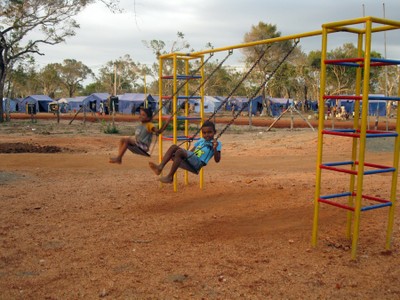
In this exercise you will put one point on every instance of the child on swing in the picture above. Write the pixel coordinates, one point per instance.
(203, 150)
(143, 135)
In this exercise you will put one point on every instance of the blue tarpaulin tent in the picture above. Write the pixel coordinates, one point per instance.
(74, 104)
(13, 104)
(278, 105)
(39, 103)
(129, 103)
(211, 104)
(375, 107)
(93, 101)
(242, 103)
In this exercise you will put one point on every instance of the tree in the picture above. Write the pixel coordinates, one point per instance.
(72, 73)
(50, 22)
(274, 53)
(159, 48)
(124, 72)
(223, 80)
(49, 79)
(22, 81)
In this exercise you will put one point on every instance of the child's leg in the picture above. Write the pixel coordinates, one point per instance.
(157, 169)
(123, 145)
(180, 154)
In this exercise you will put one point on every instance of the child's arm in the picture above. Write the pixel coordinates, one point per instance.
(161, 130)
(217, 154)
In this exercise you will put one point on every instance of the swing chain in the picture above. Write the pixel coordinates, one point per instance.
(257, 91)
(208, 78)
(234, 90)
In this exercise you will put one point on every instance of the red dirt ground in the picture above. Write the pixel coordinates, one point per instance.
(73, 226)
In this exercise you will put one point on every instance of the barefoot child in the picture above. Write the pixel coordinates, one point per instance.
(197, 157)
(143, 135)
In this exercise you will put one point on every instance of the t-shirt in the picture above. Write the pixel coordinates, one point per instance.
(204, 150)
(143, 133)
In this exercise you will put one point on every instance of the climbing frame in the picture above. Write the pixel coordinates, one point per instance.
(356, 167)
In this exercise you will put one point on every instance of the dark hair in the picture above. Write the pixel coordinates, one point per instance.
(148, 111)
(209, 124)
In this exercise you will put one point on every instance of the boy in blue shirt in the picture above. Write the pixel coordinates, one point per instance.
(203, 150)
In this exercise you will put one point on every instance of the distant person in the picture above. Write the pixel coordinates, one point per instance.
(143, 135)
(203, 150)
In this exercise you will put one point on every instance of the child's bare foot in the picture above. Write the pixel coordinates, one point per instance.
(166, 179)
(115, 160)
(155, 168)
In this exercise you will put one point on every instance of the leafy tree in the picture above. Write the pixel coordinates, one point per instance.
(271, 54)
(50, 22)
(22, 81)
(223, 80)
(159, 48)
(123, 71)
(92, 88)
(72, 73)
(50, 80)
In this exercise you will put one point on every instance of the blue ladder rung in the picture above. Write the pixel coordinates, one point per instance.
(336, 195)
(365, 208)
(340, 163)
(386, 170)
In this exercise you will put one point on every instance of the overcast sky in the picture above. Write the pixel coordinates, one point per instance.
(104, 36)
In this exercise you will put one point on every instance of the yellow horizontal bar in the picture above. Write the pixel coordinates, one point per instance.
(251, 44)
(385, 21)
(332, 27)
(340, 24)
(180, 55)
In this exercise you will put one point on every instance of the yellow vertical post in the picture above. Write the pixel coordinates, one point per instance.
(174, 110)
(201, 174)
(363, 133)
(355, 139)
(321, 119)
(394, 180)
(186, 115)
(160, 106)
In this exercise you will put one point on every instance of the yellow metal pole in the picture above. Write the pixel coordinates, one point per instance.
(331, 28)
(363, 132)
(394, 180)
(186, 115)
(160, 106)
(355, 140)
(251, 44)
(201, 174)
(321, 119)
(174, 108)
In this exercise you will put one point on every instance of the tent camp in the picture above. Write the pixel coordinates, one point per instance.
(278, 105)
(38, 103)
(375, 107)
(244, 104)
(73, 104)
(211, 104)
(93, 101)
(13, 104)
(130, 103)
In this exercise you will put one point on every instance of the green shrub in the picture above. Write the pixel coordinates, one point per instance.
(111, 129)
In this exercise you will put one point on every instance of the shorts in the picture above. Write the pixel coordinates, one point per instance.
(195, 162)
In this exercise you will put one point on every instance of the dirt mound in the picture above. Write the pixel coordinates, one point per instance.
(29, 148)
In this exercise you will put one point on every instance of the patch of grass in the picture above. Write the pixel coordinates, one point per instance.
(111, 129)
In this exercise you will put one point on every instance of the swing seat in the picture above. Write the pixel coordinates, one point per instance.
(137, 150)
(186, 165)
